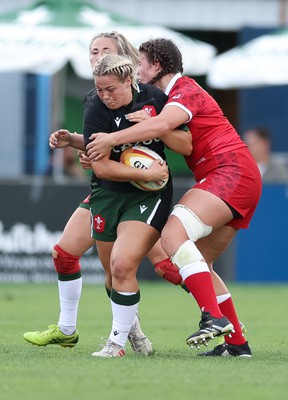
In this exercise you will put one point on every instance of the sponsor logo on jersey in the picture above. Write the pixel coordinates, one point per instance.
(150, 110)
(98, 223)
(202, 159)
(143, 208)
(117, 121)
(122, 147)
(177, 96)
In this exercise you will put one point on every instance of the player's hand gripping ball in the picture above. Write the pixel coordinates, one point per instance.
(142, 157)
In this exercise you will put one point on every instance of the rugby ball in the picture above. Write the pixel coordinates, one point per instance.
(142, 157)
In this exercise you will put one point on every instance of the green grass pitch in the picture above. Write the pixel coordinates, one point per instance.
(168, 317)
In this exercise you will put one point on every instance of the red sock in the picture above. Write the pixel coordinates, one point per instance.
(201, 287)
(228, 309)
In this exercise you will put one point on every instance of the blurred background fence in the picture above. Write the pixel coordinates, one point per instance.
(35, 210)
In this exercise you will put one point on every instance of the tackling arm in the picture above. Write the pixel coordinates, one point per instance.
(170, 118)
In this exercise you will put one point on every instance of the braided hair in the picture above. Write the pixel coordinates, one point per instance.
(166, 53)
(113, 64)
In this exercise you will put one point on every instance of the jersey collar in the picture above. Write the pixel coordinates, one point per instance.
(137, 88)
(172, 82)
(135, 92)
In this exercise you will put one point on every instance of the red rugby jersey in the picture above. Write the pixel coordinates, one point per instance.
(212, 133)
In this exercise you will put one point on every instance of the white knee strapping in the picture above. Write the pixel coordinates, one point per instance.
(193, 226)
(189, 260)
(187, 254)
